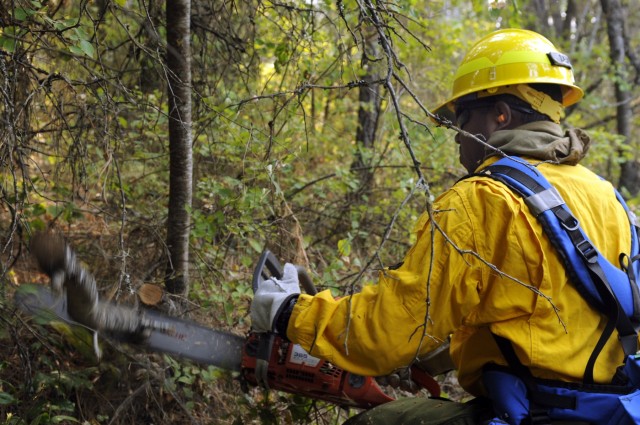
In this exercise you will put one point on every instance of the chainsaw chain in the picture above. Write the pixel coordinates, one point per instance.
(71, 279)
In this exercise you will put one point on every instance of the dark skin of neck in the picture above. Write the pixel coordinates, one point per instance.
(482, 123)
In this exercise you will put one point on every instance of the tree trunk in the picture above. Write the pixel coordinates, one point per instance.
(615, 16)
(368, 114)
(180, 149)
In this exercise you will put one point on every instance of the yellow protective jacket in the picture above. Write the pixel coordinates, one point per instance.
(482, 264)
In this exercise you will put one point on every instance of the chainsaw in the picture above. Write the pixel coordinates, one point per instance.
(264, 359)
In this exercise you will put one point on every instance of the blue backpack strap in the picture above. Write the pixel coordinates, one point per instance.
(630, 264)
(510, 400)
(603, 285)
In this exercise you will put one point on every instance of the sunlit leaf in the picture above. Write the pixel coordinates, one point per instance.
(257, 246)
(344, 247)
(86, 48)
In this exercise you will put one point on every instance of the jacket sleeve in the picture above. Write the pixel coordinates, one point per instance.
(383, 327)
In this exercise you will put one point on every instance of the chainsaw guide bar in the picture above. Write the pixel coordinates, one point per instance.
(166, 334)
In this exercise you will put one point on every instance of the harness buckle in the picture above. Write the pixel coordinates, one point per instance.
(537, 416)
(587, 251)
(569, 222)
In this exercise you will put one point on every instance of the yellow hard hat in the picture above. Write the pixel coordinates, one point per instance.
(505, 61)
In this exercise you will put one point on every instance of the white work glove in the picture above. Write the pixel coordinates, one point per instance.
(270, 296)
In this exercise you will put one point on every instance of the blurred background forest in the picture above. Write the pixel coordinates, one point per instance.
(172, 142)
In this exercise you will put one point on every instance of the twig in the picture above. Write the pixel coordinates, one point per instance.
(127, 401)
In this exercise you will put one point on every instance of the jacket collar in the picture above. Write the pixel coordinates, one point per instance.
(541, 140)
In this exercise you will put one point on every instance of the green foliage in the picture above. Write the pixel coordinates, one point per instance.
(46, 400)
(607, 152)
(275, 116)
(6, 398)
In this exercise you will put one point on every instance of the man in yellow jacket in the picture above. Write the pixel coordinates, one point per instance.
(481, 264)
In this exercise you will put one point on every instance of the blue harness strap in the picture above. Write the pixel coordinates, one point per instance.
(610, 289)
(559, 222)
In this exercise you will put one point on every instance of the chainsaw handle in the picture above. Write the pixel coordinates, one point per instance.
(305, 281)
(268, 266)
(425, 380)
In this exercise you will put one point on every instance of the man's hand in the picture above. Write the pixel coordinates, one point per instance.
(271, 295)
(399, 378)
